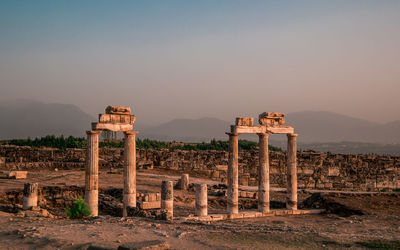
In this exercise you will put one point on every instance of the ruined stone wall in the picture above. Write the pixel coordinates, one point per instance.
(315, 170)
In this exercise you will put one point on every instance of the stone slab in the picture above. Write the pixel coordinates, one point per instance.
(149, 204)
(112, 127)
(255, 214)
(17, 174)
(261, 129)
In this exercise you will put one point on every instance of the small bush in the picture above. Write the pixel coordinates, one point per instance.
(396, 189)
(78, 210)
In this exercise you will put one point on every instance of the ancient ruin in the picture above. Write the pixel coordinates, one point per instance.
(116, 118)
(270, 123)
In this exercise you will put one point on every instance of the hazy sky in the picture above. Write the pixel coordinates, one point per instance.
(190, 59)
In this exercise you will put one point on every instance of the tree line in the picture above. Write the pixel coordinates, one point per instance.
(62, 142)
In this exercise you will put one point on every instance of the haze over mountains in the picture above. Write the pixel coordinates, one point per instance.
(24, 118)
(21, 119)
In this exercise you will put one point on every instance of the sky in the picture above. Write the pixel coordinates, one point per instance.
(192, 59)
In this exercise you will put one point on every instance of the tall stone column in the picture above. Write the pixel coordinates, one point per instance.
(263, 174)
(291, 196)
(201, 200)
(92, 171)
(129, 193)
(30, 198)
(233, 175)
(167, 198)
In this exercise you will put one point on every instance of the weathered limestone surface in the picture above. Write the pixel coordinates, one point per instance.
(314, 170)
(129, 192)
(167, 198)
(30, 198)
(92, 171)
(184, 182)
(272, 119)
(233, 175)
(149, 200)
(123, 110)
(116, 118)
(244, 121)
(291, 197)
(263, 174)
(201, 200)
(112, 127)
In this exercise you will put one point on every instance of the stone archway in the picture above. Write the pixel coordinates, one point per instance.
(116, 118)
(270, 123)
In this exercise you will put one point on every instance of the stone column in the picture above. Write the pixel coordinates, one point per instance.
(129, 193)
(263, 174)
(184, 183)
(92, 171)
(201, 199)
(30, 198)
(233, 175)
(291, 196)
(167, 198)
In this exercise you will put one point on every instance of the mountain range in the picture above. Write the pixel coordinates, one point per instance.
(27, 118)
(21, 119)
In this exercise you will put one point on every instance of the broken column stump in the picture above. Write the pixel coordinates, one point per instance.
(184, 182)
(201, 199)
(167, 198)
(30, 198)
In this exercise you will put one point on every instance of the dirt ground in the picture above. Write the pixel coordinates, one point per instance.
(353, 220)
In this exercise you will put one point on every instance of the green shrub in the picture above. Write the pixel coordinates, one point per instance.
(396, 189)
(78, 210)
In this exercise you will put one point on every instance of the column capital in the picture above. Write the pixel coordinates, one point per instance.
(131, 132)
(292, 135)
(93, 132)
(264, 134)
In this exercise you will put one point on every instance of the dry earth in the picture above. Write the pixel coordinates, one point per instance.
(353, 220)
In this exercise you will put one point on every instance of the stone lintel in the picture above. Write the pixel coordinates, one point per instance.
(261, 130)
(117, 118)
(278, 130)
(112, 127)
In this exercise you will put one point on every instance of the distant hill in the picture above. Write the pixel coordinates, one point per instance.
(319, 130)
(188, 130)
(323, 126)
(312, 127)
(27, 118)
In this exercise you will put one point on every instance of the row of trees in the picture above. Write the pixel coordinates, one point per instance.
(62, 142)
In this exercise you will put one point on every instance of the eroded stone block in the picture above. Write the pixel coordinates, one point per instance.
(17, 174)
(122, 110)
(244, 121)
(272, 119)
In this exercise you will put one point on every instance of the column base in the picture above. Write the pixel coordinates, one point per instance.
(29, 202)
(92, 199)
(129, 200)
(292, 205)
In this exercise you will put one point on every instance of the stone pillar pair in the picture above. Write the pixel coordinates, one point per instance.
(263, 174)
(92, 171)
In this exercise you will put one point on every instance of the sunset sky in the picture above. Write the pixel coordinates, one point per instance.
(192, 59)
